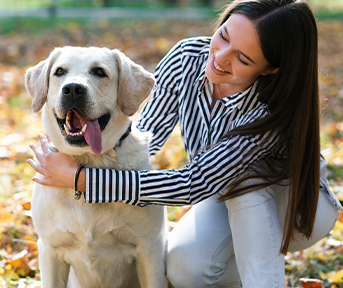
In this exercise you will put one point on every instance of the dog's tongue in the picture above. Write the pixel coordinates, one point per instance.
(92, 134)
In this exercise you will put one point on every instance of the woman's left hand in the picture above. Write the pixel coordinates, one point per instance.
(57, 167)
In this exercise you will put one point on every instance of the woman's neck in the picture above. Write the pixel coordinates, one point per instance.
(220, 92)
(225, 90)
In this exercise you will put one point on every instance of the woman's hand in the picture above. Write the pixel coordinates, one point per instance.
(57, 167)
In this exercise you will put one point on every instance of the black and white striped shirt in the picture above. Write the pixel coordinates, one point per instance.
(183, 94)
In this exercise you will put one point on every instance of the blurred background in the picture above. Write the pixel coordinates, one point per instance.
(144, 31)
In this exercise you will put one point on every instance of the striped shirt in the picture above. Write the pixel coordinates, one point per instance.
(183, 94)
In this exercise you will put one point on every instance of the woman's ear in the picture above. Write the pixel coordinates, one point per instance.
(270, 70)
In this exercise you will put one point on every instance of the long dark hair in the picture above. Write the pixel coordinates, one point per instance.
(288, 35)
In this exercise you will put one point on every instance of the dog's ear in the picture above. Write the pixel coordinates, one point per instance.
(135, 83)
(37, 80)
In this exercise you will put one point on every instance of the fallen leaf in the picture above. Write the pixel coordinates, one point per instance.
(31, 242)
(6, 216)
(311, 283)
(26, 205)
(338, 277)
(340, 216)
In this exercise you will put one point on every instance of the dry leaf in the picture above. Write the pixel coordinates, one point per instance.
(311, 283)
(26, 205)
(340, 216)
(338, 277)
(6, 217)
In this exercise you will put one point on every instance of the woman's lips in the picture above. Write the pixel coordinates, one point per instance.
(217, 69)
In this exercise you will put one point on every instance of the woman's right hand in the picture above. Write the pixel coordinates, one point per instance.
(57, 167)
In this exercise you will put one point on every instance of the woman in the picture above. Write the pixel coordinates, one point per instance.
(248, 105)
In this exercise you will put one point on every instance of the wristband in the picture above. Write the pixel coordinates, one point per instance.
(77, 194)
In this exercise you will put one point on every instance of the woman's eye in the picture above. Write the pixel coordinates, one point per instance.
(222, 36)
(240, 60)
(60, 72)
(100, 72)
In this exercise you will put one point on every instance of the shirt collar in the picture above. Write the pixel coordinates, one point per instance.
(201, 79)
(245, 100)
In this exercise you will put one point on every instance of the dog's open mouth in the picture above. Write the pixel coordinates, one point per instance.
(81, 131)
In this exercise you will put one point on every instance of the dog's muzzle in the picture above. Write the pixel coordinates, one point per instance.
(76, 128)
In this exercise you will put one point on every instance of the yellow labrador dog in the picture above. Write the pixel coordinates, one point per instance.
(87, 96)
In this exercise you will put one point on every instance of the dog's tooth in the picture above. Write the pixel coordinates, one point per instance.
(68, 124)
(66, 128)
(84, 128)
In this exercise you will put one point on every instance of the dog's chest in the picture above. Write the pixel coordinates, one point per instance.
(89, 236)
(59, 217)
(64, 220)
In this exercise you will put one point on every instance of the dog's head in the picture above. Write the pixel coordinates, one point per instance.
(88, 95)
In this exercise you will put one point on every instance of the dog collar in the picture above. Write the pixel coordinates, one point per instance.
(128, 131)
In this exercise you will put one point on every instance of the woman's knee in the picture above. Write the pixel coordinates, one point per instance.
(183, 270)
(200, 247)
(195, 267)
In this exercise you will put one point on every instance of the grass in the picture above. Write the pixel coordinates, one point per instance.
(324, 8)
(32, 25)
(20, 4)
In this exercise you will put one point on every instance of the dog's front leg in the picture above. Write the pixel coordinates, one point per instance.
(151, 269)
(54, 270)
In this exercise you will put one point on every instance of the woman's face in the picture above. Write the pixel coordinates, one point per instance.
(236, 59)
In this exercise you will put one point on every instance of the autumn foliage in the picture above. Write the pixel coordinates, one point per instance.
(145, 42)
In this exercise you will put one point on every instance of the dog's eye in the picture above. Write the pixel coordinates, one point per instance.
(100, 72)
(60, 72)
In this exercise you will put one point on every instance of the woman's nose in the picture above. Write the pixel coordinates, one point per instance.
(223, 56)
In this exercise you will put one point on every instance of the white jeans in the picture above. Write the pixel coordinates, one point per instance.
(225, 244)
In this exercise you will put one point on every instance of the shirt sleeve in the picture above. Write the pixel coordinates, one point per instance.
(210, 172)
(160, 114)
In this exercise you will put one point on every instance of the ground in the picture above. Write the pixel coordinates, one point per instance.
(24, 43)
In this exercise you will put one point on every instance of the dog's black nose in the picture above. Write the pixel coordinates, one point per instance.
(74, 90)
